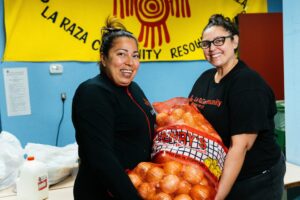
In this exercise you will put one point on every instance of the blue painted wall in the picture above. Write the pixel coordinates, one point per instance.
(0, 124)
(160, 81)
(291, 32)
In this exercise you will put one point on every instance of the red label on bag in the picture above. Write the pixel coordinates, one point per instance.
(186, 143)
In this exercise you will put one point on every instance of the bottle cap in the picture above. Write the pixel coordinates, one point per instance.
(30, 158)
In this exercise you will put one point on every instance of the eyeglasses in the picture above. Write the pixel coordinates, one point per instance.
(219, 41)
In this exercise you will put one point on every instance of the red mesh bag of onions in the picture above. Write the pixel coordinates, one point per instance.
(188, 155)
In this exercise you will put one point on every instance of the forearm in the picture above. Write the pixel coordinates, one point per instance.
(232, 167)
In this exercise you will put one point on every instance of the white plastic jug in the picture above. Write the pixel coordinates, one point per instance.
(33, 181)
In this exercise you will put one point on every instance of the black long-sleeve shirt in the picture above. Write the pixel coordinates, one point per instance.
(114, 127)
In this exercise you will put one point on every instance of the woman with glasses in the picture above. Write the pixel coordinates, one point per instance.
(244, 117)
(113, 120)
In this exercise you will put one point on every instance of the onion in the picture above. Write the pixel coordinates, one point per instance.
(162, 158)
(182, 197)
(184, 187)
(155, 174)
(169, 183)
(135, 179)
(161, 118)
(162, 196)
(205, 127)
(192, 174)
(172, 119)
(199, 118)
(146, 190)
(200, 192)
(188, 119)
(172, 167)
(142, 168)
(177, 113)
(204, 181)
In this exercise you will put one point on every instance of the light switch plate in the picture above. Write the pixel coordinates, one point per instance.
(56, 69)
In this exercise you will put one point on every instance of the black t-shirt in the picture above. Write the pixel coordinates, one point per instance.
(114, 129)
(241, 102)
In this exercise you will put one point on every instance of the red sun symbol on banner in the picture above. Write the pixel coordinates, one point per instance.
(153, 15)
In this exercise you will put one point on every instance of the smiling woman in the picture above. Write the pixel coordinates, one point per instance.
(113, 120)
(122, 62)
(241, 107)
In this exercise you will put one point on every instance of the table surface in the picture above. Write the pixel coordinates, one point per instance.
(64, 189)
(292, 176)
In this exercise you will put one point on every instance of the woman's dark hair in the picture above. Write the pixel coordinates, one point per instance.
(225, 22)
(112, 30)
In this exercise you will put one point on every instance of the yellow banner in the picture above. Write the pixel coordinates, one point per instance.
(68, 30)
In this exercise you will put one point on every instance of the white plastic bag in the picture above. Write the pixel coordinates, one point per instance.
(11, 158)
(60, 161)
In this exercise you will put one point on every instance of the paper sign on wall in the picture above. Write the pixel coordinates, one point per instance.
(16, 91)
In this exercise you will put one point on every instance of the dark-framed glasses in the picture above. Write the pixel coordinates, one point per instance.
(219, 41)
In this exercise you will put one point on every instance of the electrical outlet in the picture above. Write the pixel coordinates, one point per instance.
(63, 96)
(56, 69)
